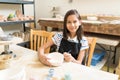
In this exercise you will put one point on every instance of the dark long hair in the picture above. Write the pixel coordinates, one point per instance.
(79, 32)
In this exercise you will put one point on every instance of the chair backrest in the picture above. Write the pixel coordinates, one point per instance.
(90, 51)
(38, 38)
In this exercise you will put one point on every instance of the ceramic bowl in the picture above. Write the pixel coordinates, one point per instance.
(56, 58)
(5, 61)
(15, 72)
(6, 37)
(93, 18)
(18, 73)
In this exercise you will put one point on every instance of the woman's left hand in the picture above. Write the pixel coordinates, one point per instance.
(68, 57)
(44, 59)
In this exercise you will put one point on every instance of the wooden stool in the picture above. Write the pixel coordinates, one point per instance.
(110, 43)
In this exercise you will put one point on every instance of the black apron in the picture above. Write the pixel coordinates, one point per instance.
(71, 47)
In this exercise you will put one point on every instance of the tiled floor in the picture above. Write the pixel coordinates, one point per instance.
(112, 66)
(111, 70)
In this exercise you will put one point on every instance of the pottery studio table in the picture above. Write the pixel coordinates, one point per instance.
(26, 66)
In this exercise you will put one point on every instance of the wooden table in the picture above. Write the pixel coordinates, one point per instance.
(27, 66)
(101, 28)
(50, 22)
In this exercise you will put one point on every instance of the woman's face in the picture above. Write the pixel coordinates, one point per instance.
(73, 23)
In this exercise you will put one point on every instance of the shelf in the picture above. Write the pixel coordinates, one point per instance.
(22, 3)
(15, 22)
(16, 2)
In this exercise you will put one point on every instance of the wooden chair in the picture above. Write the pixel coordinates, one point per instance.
(38, 38)
(90, 51)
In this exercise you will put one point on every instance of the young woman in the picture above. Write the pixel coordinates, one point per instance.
(71, 42)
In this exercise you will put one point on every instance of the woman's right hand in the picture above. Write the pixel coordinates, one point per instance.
(44, 59)
(68, 57)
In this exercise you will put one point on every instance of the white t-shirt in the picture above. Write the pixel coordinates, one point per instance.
(58, 37)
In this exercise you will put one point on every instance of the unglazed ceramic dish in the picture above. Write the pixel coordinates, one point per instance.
(56, 58)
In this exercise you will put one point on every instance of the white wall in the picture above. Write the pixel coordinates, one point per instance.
(111, 7)
(107, 7)
(44, 7)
